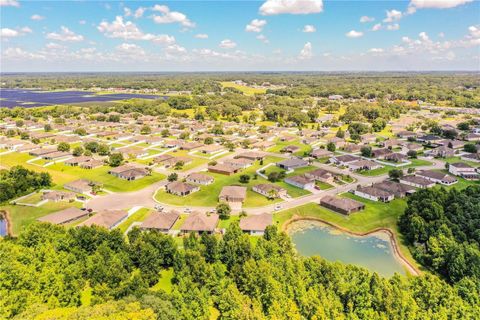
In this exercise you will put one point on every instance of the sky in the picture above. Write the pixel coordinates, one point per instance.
(268, 35)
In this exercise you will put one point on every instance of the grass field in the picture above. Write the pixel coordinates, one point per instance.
(22, 216)
(377, 172)
(138, 216)
(208, 195)
(249, 91)
(165, 282)
(282, 144)
(62, 173)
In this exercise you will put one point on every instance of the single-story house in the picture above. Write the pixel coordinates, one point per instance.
(293, 163)
(128, 172)
(79, 186)
(290, 149)
(440, 152)
(474, 157)
(56, 155)
(223, 169)
(374, 194)
(341, 205)
(430, 139)
(92, 164)
(199, 178)
(396, 157)
(344, 160)
(200, 222)
(381, 153)
(160, 221)
(400, 190)
(252, 155)
(256, 224)
(364, 165)
(58, 196)
(301, 181)
(321, 175)
(269, 190)
(406, 134)
(240, 163)
(212, 148)
(75, 161)
(108, 219)
(437, 177)
(463, 170)
(64, 216)
(417, 182)
(181, 188)
(162, 158)
(321, 153)
(233, 194)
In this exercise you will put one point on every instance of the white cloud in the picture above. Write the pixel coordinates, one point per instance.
(9, 33)
(354, 34)
(12, 33)
(227, 44)
(393, 27)
(82, 22)
(274, 7)
(37, 17)
(437, 4)
(393, 15)
(255, 25)
(441, 35)
(423, 36)
(364, 19)
(306, 52)
(129, 31)
(20, 54)
(376, 50)
(139, 12)
(474, 31)
(171, 17)
(127, 12)
(130, 48)
(309, 28)
(262, 38)
(175, 49)
(65, 35)
(201, 36)
(377, 27)
(54, 46)
(9, 3)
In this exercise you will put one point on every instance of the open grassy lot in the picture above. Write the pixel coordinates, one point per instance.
(33, 198)
(282, 144)
(208, 195)
(377, 172)
(62, 173)
(138, 216)
(249, 91)
(376, 215)
(22, 216)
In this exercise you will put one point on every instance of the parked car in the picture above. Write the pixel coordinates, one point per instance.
(278, 207)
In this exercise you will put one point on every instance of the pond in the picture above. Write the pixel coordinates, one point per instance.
(374, 251)
(3, 226)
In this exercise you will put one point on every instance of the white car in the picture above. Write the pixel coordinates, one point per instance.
(277, 207)
(187, 210)
(158, 208)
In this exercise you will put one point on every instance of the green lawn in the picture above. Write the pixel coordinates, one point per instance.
(223, 224)
(282, 144)
(249, 91)
(323, 185)
(138, 216)
(62, 174)
(208, 195)
(22, 216)
(165, 282)
(377, 172)
(32, 199)
(376, 215)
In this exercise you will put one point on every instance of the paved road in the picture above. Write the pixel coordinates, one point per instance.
(145, 198)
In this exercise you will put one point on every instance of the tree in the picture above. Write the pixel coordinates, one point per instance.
(165, 133)
(223, 210)
(145, 130)
(208, 140)
(179, 165)
(395, 174)
(366, 151)
(19, 123)
(340, 133)
(77, 151)
(80, 131)
(103, 149)
(172, 177)
(412, 154)
(331, 147)
(91, 146)
(244, 178)
(470, 147)
(464, 126)
(63, 146)
(115, 159)
(47, 127)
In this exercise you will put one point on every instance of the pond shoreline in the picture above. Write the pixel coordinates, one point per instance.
(391, 235)
(4, 214)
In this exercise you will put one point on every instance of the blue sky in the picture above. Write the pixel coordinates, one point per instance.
(239, 35)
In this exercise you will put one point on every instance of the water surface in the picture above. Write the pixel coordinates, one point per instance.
(373, 252)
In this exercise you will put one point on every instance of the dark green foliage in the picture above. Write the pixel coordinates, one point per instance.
(19, 181)
(444, 227)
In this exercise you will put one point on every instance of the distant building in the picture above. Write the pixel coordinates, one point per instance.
(291, 164)
(463, 170)
(341, 205)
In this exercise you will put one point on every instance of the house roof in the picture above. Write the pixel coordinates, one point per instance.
(161, 220)
(256, 222)
(63, 216)
(342, 203)
(266, 187)
(180, 187)
(376, 192)
(199, 177)
(300, 179)
(106, 219)
(233, 192)
(293, 162)
(417, 180)
(198, 221)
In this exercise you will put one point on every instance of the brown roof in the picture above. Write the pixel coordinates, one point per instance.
(160, 220)
(63, 216)
(233, 192)
(256, 222)
(342, 203)
(106, 219)
(180, 187)
(197, 176)
(197, 221)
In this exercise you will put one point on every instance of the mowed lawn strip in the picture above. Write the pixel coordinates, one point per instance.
(138, 216)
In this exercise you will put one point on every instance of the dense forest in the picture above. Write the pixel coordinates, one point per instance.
(444, 229)
(50, 272)
(18, 181)
(451, 89)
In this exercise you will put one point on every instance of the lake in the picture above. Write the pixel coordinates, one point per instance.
(373, 251)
